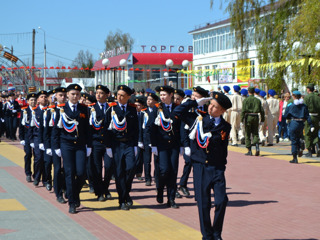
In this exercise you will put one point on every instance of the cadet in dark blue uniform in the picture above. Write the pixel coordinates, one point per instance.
(198, 92)
(34, 134)
(51, 118)
(164, 131)
(11, 109)
(73, 142)
(99, 134)
(122, 142)
(23, 134)
(209, 142)
(298, 113)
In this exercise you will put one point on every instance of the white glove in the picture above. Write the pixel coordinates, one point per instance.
(241, 125)
(312, 129)
(14, 111)
(140, 145)
(109, 152)
(89, 150)
(203, 101)
(22, 142)
(2, 120)
(49, 152)
(187, 151)
(181, 150)
(41, 146)
(154, 150)
(58, 152)
(135, 151)
(32, 145)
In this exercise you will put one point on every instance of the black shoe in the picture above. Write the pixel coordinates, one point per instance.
(61, 200)
(140, 179)
(295, 159)
(123, 206)
(270, 144)
(277, 138)
(148, 183)
(108, 195)
(35, 182)
(101, 198)
(263, 143)
(309, 154)
(178, 195)
(249, 153)
(300, 153)
(72, 209)
(172, 204)
(28, 178)
(91, 190)
(185, 191)
(77, 204)
(317, 149)
(257, 150)
(49, 187)
(129, 201)
(243, 141)
(160, 195)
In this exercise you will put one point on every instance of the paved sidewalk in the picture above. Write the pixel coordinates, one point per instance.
(269, 198)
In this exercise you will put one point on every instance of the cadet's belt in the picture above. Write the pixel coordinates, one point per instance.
(123, 139)
(253, 114)
(298, 119)
(313, 114)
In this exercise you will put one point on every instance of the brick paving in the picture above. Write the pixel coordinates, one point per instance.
(268, 199)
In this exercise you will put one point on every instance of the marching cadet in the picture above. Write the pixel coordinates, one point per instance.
(72, 141)
(209, 149)
(251, 108)
(298, 113)
(1, 116)
(11, 109)
(198, 92)
(312, 100)
(263, 127)
(122, 142)
(227, 113)
(152, 99)
(178, 96)
(273, 116)
(164, 131)
(36, 120)
(235, 115)
(139, 102)
(51, 118)
(244, 94)
(99, 133)
(23, 134)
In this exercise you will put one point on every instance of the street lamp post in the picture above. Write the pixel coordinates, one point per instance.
(185, 65)
(169, 64)
(123, 63)
(105, 62)
(45, 60)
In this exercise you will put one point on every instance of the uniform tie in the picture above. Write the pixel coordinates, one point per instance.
(73, 108)
(123, 108)
(168, 108)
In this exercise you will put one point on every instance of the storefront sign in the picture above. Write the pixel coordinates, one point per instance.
(167, 49)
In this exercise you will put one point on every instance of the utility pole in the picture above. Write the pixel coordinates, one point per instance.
(33, 47)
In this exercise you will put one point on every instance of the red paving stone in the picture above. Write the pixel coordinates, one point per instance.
(268, 199)
(5, 231)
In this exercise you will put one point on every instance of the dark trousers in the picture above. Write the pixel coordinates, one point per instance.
(6, 126)
(27, 158)
(12, 125)
(100, 184)
(283, 128)
(47, 168)
(186, 171)
(124, 160)
(156, 170)
(139, 160)
(210, 177)
(59, 182)
(74, 162)
(296, 132)
(168, 170)
(38, 160)
(147, 163)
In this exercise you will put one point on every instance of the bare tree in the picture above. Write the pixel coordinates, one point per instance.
(118, 39)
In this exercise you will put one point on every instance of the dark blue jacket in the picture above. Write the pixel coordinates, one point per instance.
(217, 150)
(8, 113)
(298, 112)
(23, 129)
(98, 135)
(36, 131)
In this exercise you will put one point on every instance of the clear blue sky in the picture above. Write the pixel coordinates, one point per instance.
(72, 26)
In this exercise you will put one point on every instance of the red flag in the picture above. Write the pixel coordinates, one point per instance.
(208, 79)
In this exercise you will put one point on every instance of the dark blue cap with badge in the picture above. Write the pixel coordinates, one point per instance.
(154, 96)
(74, 86)
(222, 99)
(103, 88)
(179, 92)
(41, 92)
(139, 100)
(125, 88)
(31, 95)
(59, 89)
(167, 89)
(203, 92)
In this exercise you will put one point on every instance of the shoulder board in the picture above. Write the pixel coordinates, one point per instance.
(112, 104)
(23, 108)
(52, 106)
(132, 105)
(44, 108)
(34, 108)
(61, 105)
(145, 109)
(203, 112)
(92, 104)
(157, 105)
